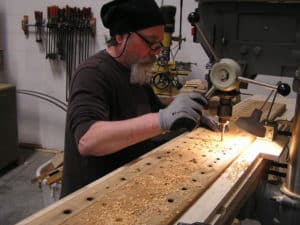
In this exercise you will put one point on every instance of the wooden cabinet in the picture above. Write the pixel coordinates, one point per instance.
(8, 125)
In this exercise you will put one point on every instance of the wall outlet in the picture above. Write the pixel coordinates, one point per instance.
(1, 60)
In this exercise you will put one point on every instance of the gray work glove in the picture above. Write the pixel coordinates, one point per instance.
(209, 121)
(183, 112)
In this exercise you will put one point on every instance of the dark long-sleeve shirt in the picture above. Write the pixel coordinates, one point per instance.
(101, 91)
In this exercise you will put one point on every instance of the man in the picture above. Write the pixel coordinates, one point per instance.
(111, 119)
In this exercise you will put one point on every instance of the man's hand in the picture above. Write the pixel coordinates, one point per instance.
(209, 121)
(183, 112)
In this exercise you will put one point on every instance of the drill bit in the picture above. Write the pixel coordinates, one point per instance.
(223, 126)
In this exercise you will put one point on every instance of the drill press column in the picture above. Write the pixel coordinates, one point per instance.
(293, 174)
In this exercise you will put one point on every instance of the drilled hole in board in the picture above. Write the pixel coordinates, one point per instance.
(193, 161)
(148, 163)
(119, 219)
(67, 211)
(218, 158)
(203, 155)
(168, 152)
(123, 178)
(194, 180)
(209, 165)
(89, 199)
(107, 187)
(158, 157)
(202, 172)
(104, 204)
(171, 200)
(184, 188)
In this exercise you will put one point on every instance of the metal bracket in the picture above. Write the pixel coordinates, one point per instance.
(271, 130)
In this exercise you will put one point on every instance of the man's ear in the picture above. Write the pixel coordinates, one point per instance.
(120, 38)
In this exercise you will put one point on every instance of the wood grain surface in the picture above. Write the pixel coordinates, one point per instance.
(159, 187)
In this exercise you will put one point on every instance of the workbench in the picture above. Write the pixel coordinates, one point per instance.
(192, 178)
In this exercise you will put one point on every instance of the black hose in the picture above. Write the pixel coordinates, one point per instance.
(46, 95)
(44, 98)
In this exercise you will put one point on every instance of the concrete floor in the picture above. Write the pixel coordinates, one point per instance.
(19, 198)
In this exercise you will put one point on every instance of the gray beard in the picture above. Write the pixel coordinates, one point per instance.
(140, 72)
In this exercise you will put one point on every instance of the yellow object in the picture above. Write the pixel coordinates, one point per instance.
(164, 78)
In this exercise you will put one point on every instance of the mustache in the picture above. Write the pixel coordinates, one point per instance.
(148, 60)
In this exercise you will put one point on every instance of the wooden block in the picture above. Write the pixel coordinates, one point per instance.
(58, 159)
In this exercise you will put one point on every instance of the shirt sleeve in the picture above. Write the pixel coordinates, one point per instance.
(89, 100)
(156, 104)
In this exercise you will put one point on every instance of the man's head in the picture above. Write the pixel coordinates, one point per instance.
(137, 28)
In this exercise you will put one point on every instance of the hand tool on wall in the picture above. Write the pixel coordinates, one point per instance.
(38, 15)
(25, 25)
(69, 31)
(38, 25)
(52, 27)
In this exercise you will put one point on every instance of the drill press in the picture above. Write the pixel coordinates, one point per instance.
(225, 78)
(263, 37)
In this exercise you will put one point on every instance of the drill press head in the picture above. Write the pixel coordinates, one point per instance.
(223, 78)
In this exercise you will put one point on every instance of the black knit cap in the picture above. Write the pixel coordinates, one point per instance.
(123, 16)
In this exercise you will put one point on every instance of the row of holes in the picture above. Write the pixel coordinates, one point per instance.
(170, 200)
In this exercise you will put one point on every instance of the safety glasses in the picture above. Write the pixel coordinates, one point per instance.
(153, 46)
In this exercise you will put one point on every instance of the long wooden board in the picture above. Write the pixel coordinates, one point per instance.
(222, 201)
(158, 187)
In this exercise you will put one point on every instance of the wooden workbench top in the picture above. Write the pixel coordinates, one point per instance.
(158, 187)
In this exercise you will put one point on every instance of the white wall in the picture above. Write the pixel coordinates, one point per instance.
(26, 66)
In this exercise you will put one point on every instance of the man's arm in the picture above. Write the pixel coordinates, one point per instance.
(107, 137)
